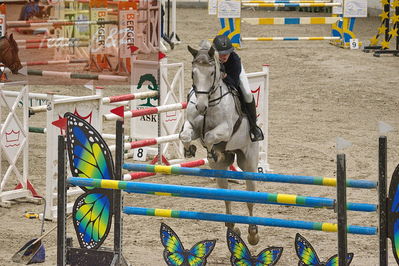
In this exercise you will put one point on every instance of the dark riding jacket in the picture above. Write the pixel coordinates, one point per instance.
(232, 68)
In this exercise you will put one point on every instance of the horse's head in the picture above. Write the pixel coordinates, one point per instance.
(9, 54)
(205, 74)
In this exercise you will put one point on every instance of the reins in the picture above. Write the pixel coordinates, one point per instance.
(212, 89)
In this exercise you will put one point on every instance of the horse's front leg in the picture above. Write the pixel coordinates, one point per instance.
(221, 133)
(187, 135)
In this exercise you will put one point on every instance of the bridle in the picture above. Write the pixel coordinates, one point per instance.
(212, 88)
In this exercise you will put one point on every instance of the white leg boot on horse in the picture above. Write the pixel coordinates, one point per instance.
(191, 130)
(187, 135)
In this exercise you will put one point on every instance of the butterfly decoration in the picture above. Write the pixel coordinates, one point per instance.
(308, 257)
(90, 157)
(393, 213)
(175, 254)
(241, 256)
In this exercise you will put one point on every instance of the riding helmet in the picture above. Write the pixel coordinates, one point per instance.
(222, 44)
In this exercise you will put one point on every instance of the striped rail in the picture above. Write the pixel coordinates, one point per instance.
(70, 75)
(53, 62)
(288, 1)
(289, 38)
(46, 45)
(55, 23)
(147, 142)
(217, 194)
(217, 217)
(148, 111)
(291, 21)
(130, 97)
(105, 100)
(290, 4)
(55, 40)
(138, 175)
(308, 180)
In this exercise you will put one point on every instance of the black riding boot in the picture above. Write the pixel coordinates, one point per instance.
(255, 132)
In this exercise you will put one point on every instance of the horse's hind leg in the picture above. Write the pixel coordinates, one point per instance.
(253, 236)
(250, 165)
(223, 183)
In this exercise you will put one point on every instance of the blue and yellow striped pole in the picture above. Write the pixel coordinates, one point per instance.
(287, 1)
(296, 179)
(291, 21)
(217, 194)
(217, 217)
(290, 38)
(290, 4)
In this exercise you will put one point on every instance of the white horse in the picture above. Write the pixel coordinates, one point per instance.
(214, 116)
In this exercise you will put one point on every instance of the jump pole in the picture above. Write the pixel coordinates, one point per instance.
(105, 100)
(267, 177)
(55, 23)
(138, 175)
(341, 210)
(54, 62)
(147, 142)
(148, 111)
(272, 222)
(382, 198)
(71, 75)
(217, 194)
(47, 46)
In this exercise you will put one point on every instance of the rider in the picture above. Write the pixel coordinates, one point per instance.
(235, 76)
(29, 10)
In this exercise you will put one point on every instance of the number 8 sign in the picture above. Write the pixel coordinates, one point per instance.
(140, 154)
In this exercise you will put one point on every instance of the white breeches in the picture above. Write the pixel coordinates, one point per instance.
(245, 89)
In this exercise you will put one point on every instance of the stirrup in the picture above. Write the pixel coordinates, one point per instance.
(256, 134)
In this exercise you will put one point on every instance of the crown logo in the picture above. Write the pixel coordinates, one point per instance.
(12, 138)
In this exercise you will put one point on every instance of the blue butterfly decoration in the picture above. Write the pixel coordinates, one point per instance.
(393, 213)
(307, 255)
(175, 254)
(241, 256)
(90, 157)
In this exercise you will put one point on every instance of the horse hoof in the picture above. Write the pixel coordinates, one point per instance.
(190, 152)
(237, 231)
(253, 236)
(212, 156)
(234, 228)
(229, 225)
(253, 240)
(193, 150)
